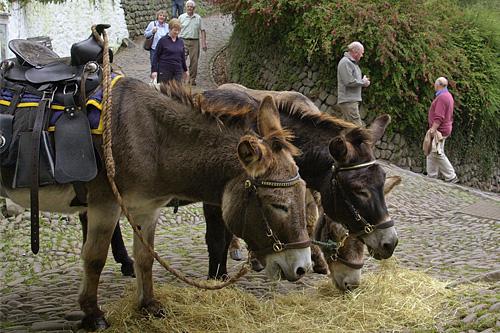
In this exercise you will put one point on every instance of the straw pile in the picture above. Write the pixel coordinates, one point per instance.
(392, 298)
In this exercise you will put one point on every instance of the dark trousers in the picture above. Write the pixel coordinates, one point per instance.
(168, 75)
(177, 8)
(151, 55)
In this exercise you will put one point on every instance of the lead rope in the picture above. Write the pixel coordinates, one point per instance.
(110, 170)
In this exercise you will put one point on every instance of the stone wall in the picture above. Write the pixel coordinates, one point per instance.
(65, 23)
(393, 147)
(138, 14)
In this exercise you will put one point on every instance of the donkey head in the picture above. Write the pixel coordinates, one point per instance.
(357, 184)
(346, 262)
(266, 205)
(345, 266)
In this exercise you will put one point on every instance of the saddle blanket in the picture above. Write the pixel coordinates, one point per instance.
(94, 106)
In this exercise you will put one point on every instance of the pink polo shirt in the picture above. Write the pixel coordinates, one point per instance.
(441, 111)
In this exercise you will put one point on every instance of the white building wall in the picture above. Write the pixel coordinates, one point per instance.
(66, 23)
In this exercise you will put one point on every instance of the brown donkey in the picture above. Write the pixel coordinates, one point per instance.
(165, 148)
(337, 160)
(346, 259)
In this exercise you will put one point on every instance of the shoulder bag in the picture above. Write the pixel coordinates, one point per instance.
(148, 42)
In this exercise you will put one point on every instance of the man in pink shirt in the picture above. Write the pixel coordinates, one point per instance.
(440, 120)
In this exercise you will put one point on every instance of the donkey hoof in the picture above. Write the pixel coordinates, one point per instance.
(128, 269)
(155, 309)
(92, 323)
(223, 277)
(236, 255)
(320, 269)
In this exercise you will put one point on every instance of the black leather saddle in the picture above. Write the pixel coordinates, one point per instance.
(68, 81)
(37, 64)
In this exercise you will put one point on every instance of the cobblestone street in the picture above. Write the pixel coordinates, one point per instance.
(439, 229)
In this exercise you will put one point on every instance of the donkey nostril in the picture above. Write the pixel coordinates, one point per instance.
(300, 271)
(389, 247)
(349, 286)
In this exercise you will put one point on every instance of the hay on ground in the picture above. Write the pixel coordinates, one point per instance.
(393, 298)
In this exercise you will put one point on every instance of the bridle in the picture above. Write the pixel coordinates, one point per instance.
(251, 186)
(358, 219)
(331, 249)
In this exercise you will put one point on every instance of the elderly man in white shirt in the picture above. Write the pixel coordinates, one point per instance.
(192, 31)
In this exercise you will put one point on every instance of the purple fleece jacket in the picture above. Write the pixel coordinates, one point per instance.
(169, 55)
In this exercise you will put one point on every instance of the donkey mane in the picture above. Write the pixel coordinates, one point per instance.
(321, 119)
(224, 108)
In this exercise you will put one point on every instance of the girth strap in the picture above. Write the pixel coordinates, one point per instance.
(15, 99)
(35, 174)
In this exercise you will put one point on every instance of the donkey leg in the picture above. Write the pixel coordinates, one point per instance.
(117, 246)
(85, 222)
(101, 222)
(144, 262)
(120, 252)
(217, 238)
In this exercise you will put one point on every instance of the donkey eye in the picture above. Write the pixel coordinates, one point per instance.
(363, 193)
(280, 207)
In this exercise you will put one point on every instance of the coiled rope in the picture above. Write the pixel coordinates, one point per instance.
(111, 172)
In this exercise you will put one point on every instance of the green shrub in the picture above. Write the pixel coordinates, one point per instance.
(408, 44)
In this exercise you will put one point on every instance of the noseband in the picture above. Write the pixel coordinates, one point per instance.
(331, 249)
(367, 227)
(251, 186)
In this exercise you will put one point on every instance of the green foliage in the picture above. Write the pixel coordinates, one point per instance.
(408, 44)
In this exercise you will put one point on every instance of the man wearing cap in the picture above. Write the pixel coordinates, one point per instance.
(192, 31)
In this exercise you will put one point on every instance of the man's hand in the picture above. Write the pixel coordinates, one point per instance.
(154, 75)
(155, 29)
(185, 77)
(366, 81)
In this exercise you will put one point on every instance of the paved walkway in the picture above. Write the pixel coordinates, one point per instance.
(39, 293)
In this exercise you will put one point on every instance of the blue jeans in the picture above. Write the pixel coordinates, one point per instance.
(177, 6)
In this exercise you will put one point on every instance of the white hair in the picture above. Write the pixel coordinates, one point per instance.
(442, 81)
(190, 2)
(355, 46)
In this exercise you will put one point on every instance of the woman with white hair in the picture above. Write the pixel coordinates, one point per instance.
(156, 30)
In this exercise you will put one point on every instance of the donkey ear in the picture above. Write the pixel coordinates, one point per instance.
(249, 152)
(338, 148)
(268, 118)
(390, 183)
(378, 127)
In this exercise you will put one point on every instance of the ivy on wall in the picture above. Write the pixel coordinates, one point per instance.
(408, 44)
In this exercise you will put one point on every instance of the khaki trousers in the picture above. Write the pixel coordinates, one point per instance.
(350, 112)
(193, 47)
(438, 162)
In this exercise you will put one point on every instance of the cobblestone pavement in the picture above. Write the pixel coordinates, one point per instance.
(39, 293)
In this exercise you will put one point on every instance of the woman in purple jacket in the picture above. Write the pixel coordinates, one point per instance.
(169, 62)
